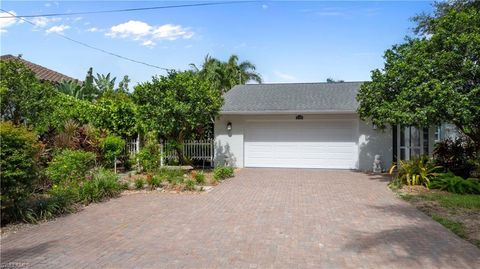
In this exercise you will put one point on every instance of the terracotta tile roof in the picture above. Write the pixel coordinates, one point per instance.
(42, 73)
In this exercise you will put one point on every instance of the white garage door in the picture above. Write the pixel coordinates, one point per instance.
(301, 144)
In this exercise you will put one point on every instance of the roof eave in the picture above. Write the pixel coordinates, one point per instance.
(280, 112)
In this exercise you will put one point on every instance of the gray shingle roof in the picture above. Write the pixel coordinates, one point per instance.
(292, 97)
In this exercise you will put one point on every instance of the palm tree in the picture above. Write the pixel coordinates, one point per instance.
(225, 75)
(104, 83)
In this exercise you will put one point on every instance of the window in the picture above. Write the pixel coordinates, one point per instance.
(412, 142)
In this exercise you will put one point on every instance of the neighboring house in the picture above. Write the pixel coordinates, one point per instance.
(41, 72)
(307, 125)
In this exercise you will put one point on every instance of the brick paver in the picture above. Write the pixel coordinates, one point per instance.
(263, 218)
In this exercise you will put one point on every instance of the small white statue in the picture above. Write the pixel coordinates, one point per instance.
(377, 164)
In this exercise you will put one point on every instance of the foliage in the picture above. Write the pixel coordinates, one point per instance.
(67, 108)
(431, 78)
(223, 172)
(454, 226)
(60, 200)
(24, 98)
(112, 147)
(72, 88)
(103, 185)
(117, 113)
(74, 136)
(154, 181)
(139, 183)
(70, 166)
(177, 105)
(456, 155)
(455, 184)
(173, 176)
(104, 83)
(418, 171)
(189, 185)
(149, 155)
(224, 75)
(18, 166)
(199, 177)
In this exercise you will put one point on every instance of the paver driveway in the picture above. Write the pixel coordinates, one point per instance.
(265, 218)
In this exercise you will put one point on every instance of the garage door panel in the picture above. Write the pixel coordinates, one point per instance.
(320, 144)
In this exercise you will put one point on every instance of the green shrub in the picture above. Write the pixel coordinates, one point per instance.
(455, 184)
(58, 201)
(149, 156)
(457, 155)
(189, 185)
(139, 183)
(200, 177)
(18, 167)
(417, 171)
(70, 166)
(223, 172)
(112, 147)
(103, 185)
(155, 181)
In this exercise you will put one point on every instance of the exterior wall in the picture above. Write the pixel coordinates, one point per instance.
(373, 142)
(230, 145)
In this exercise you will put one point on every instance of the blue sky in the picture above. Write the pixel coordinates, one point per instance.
(289, 41)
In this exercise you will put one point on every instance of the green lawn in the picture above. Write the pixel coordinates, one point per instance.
(448, 200)
(450, 209)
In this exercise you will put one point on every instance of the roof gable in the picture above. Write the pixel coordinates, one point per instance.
(292, 97)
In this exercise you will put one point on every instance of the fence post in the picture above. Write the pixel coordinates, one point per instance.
(161, 153)
(211, 152)
(137, 144)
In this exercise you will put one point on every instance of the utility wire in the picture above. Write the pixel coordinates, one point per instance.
(131, 9)
(90, 46)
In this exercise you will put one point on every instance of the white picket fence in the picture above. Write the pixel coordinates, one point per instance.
(199, 150)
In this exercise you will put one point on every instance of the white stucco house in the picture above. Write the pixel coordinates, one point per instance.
(307, 125)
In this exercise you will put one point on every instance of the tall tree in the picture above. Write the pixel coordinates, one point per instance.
(225, 75)
(176, 106)
(433, 77)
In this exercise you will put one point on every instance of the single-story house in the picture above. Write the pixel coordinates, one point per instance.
(308, 125)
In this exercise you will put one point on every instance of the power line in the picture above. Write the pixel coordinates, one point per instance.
(90, 46)
(131, 9)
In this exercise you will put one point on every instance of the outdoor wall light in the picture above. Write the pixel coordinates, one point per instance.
(229, 126)
(299, 117)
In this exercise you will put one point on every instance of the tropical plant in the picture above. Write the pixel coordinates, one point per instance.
(224, 75)
(70, 166)
(455, 184)
(123, 85)
(103, 185)
(456, 155)
(104, 83)
(72, 88)
(177, 106)
(112, 147)
(74, 136)
(18, 167)
(223, 172)
(433, 77)
(417, 171)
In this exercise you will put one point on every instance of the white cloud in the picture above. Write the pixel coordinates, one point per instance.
(59, 29)
(133, 29)
(43, 21)
(284, 77)
(264, 6)
(94, 30)
(148, 43)
(138, 30)
(7, 22)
